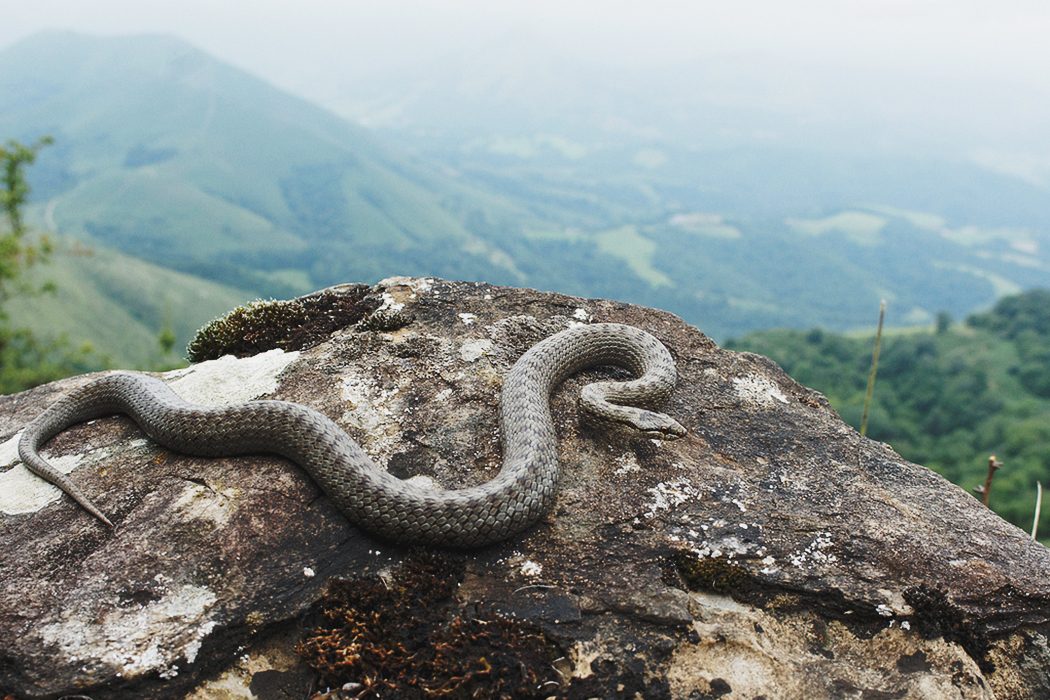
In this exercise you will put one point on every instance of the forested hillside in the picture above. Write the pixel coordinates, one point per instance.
(947, 398)
(175, 158)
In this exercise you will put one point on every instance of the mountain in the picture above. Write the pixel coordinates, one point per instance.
(178, 160)
(172, 156)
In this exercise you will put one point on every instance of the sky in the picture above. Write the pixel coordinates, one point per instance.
(1004, 36)
(983, 65)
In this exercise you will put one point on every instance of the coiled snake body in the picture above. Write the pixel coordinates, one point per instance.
(399, 510)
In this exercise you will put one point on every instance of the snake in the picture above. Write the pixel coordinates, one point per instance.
(401, 510)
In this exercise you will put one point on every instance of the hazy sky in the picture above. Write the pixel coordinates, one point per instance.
(1007, 37)
(976, 60)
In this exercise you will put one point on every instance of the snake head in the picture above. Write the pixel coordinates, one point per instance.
(658, 426)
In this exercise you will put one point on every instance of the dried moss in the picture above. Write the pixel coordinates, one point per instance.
(717, 575)
(936, 616)
(293, 324)
(406, 638)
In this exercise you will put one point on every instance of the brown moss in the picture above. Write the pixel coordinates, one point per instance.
(406, 638)
(717, 575)
(936, 616)
(293, 324)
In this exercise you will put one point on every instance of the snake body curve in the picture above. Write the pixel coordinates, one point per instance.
(403, 511)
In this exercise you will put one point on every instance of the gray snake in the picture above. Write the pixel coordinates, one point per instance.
(403, 511)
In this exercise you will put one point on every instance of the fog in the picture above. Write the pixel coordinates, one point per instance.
(967, 78)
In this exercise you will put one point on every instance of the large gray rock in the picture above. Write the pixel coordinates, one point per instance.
(772, 552)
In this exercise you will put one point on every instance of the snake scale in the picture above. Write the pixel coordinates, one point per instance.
(402, 511)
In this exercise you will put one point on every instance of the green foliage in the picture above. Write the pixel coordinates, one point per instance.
(1024, 319)
(15, 253)
(118, 303)
(26, 359)
(944, 322)
(946, 399)
(1019, 315)
(166, 339)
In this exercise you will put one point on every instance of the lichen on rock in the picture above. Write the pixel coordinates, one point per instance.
(772, 551)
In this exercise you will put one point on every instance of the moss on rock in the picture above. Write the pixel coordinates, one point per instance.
(294, 324)
(407, 638)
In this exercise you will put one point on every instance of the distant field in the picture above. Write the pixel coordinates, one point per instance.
(119, 305)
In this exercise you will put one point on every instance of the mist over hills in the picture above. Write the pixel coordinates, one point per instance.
(179, 160)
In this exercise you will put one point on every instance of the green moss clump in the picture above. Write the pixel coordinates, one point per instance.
(246, 330)
(293, 324)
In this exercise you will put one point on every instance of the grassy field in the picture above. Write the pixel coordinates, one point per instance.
(119, 305)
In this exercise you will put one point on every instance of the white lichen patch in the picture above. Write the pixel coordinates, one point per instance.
(206, 503)
(667, 495)
(468, 319)
(895, 603)
(419, 285)
(583, 656)
(390, 303)
(709, 601)
(231, 380)
(472, 350)
(814, 554)
(138, 640)
(401, 290)
(424, 482)
(758, 390)
(727, 546)
(9, 450)
(372, 410)
(22, 491)
(531, 569)
(626, 463)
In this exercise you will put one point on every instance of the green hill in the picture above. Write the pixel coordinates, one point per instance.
(175, 158)
(118, 305)
(946, 399)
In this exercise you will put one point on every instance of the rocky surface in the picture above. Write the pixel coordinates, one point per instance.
(772, 552)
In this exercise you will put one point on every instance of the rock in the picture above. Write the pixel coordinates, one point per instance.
(772, 552)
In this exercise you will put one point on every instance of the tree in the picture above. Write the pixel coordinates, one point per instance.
(25, 360)
(944, 322)
(15, 253)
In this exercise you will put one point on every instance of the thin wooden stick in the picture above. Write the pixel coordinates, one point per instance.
(986, 489)
(874, 370)
(1038, 507)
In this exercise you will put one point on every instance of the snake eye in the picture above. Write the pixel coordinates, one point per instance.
(672, 431)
